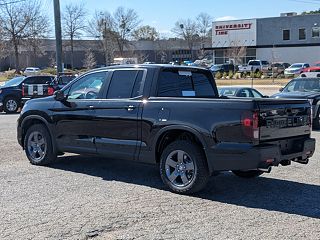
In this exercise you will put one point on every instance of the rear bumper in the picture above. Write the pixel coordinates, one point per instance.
(225, 156)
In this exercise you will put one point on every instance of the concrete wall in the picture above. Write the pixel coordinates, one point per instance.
(290, 54)
(269, 30)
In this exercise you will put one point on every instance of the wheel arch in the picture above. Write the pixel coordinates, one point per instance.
(30, 120)
(171, 133)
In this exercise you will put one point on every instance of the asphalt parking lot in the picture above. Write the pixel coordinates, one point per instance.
(93, 198)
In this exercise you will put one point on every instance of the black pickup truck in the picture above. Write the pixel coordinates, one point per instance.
(170, 115)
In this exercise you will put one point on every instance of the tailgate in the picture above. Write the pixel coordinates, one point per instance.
(36, 90)
(284, 118)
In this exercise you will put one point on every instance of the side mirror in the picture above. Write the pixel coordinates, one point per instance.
(59, 96)
(280, 89)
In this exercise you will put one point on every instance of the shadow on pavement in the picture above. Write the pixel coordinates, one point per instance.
(260, 193)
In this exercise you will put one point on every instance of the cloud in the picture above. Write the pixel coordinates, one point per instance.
(226, 18)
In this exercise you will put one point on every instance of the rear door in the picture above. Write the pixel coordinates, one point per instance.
(117, 116)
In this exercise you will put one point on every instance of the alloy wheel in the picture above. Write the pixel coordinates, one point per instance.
(180, 168)
(37, 146)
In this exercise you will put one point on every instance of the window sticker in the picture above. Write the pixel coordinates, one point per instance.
(188, 93)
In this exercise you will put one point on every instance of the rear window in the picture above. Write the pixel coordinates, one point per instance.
(38, 80)
(180, 83)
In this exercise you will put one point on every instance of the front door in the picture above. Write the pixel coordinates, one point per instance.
(76, 126)
(117, 116)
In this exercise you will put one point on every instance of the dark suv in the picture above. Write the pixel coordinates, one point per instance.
(18, 90)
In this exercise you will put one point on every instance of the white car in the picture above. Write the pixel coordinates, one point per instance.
(31, 71)
(295, 69)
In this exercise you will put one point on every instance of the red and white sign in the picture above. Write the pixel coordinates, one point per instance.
(234, 33)
(223, 29)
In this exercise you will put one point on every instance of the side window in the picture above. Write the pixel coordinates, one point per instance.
(256, 94)
(244, 93)
(88, 87)
(202, 85)
(29, 80)
(173, 84)
(125, 84)
(42, 80)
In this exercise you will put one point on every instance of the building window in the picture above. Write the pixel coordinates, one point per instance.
(302, 34)
(316, 32)
(286, 34)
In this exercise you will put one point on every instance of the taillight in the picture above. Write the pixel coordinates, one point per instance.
(22, 89)
(310, 114)
(50, 91)
(250, 124)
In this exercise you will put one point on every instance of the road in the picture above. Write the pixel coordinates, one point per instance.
(93, 198)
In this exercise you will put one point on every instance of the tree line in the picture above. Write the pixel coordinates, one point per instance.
(26, 23)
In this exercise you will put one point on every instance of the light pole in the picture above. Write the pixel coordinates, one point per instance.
(57, 24)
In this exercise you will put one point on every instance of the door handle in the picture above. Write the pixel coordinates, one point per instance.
(90, 107)
(130, 108)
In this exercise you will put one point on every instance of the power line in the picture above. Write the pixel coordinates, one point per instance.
(12, 2)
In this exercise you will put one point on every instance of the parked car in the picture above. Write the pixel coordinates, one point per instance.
(171, 115)
(240, 92)
(276, 69)
(62, 80)
(254, 66)
(18, 90)
(223, 68)
(304, 88)
(31, 71)
(314, 68)
(295, 69)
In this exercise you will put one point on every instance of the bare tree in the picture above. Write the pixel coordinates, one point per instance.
(114, 31)
(204, 21)
(73, 19)
(125, 22)
(15, 18)
(89, 60)
(187, 30)
(38, 30)
(145, 33)
(236, 52)
(101, 27)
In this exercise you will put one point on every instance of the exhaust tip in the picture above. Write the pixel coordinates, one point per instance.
(265, 170)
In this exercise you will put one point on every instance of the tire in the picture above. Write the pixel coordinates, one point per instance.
(247, 174)
(38, 145)
(11, 105)
(183, 167)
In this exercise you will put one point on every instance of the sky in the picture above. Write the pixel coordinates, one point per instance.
(162, 14)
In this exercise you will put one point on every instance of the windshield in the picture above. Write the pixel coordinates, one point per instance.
(227, 91)
(296, 66)
(216, 67)
(305, 85)
(13, 82)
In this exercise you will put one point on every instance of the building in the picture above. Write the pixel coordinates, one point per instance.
(159, 51)
(289, 38)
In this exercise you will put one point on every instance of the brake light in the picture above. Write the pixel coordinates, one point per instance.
(22, 89)
(250, 124)
(309, 118)
(50, 91)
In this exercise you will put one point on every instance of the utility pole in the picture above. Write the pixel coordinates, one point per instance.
(57, 24)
